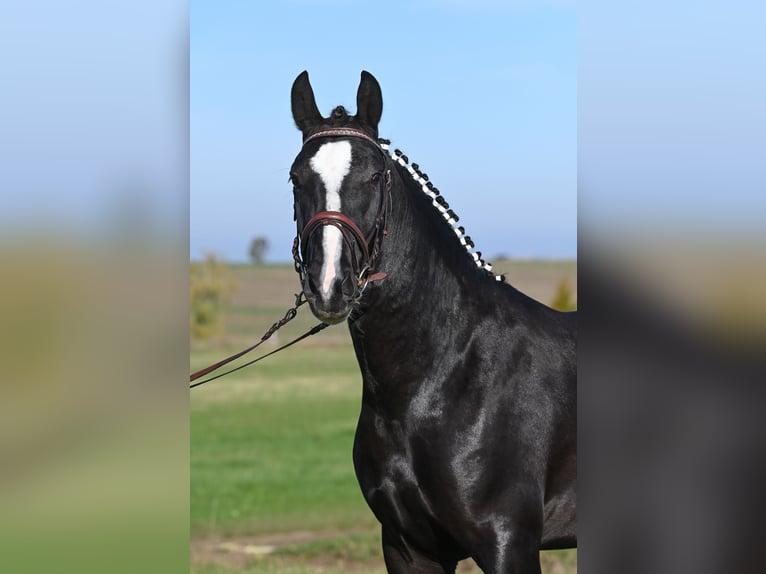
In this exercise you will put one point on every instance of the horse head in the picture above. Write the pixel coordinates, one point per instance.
(340, 183)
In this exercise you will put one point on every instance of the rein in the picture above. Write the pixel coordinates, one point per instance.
(289, 316)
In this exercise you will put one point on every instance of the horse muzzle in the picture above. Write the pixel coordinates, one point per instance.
(330, 300)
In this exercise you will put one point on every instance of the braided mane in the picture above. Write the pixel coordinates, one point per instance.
(441, 205)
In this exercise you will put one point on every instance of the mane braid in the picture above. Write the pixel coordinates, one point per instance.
(441, 205)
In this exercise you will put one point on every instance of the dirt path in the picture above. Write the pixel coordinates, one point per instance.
(237, 551)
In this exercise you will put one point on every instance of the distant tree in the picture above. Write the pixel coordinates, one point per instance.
(211, 285)
(258, 248)
(564, 300)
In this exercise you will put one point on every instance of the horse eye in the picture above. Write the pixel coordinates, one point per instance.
(376, 177)
(294, 180)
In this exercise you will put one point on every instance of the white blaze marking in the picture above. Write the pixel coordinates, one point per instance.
(331, 163)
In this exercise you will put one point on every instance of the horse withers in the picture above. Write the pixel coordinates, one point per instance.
(466, 440)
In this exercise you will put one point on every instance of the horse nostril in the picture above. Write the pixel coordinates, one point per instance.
(348, 287)
(311, 285)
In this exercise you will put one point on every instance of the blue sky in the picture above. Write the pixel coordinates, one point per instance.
(666, 115)
(481, 94)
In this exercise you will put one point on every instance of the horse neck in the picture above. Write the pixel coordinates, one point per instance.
(429, 277)
(426, 266)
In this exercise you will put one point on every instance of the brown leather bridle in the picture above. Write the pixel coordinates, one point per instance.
(367, 245)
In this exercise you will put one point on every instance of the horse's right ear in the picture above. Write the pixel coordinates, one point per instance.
(369, 102)
(305, 112)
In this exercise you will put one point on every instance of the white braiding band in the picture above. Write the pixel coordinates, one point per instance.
(441, 205)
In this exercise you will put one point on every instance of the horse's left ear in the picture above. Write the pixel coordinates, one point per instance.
(369, 102)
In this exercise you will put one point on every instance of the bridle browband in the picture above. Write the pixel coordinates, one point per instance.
(341, 132)
(368, 244)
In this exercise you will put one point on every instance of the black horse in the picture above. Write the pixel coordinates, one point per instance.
(466, 441)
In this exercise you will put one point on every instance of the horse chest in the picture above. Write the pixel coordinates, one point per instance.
(407, 480)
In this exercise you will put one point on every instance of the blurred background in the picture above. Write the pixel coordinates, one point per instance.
(93, 248)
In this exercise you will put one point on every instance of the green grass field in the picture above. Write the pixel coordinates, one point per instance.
(272, 481)
(271, 450)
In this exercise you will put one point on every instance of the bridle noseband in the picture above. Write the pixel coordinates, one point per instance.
(368, 245)
(350, 231)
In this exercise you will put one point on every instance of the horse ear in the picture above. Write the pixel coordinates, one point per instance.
(369, 102)
(305, 112)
